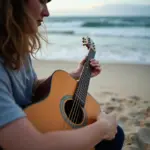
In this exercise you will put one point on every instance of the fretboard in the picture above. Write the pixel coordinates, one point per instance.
(83, 84)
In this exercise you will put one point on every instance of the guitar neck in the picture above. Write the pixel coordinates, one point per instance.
(84, 81)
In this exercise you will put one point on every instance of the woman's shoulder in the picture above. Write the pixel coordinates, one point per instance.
(24, 70)
(2, 66)
(4, 77)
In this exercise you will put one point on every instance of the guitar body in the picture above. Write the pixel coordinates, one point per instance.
(62, 103)
(53, 104)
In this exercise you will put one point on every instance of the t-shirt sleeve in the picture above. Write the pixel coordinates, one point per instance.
(9, 110)
(32, 69)
(34, 74)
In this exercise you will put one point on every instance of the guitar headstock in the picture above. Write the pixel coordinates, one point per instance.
(88, 43)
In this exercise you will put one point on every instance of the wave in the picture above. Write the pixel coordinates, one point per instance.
(61, 32)
(76, 33)
(98, 22)
(114, 24)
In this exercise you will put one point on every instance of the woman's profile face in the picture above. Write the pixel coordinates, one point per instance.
(38, 10)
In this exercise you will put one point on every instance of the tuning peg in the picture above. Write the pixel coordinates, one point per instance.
(89, 40)
(83, 39)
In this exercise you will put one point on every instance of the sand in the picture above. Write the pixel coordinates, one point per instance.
(123, 89)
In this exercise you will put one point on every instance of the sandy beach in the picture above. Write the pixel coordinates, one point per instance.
(123, 89)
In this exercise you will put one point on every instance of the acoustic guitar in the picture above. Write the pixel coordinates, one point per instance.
(63, 103)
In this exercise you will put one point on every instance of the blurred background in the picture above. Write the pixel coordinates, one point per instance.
(120, 30)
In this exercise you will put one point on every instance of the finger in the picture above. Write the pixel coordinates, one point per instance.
(95, 65)
(83, 61)
(94, 61)
(116, 132)
(112, 136)
(96, 70)
(95, 73)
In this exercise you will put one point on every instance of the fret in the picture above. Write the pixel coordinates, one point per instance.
(83, 83)
(77, 96)
(80, 99)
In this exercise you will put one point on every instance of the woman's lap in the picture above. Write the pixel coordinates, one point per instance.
(115, 144)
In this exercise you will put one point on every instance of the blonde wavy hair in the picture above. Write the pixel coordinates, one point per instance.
(15, 43)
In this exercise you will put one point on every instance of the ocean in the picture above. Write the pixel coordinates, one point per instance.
(117, 39)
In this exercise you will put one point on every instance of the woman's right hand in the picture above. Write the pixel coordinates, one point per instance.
(111, 125)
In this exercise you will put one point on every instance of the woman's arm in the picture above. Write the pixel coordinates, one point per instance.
(21, 135)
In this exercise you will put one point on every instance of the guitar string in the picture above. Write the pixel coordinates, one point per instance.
(77, 112)
(76, 100)
(77, 106)
(76, 118)
(73, 110)
(88, 73)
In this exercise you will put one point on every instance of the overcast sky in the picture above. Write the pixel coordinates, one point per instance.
(68, 6)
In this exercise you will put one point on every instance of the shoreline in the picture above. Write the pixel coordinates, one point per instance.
(122, 73)
(102, 62)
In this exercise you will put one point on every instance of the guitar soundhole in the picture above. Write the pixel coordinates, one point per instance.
(74, 112)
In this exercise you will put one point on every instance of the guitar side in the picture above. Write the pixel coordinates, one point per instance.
(46, 115)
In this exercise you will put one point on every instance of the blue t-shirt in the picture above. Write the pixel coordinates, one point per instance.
(15, 91)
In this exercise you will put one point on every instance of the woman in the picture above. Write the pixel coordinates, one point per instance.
(19, 21)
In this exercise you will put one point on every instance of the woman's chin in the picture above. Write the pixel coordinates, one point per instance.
(39, 23)
(32, 30)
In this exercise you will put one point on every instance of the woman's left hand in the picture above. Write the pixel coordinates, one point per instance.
(95, 65)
